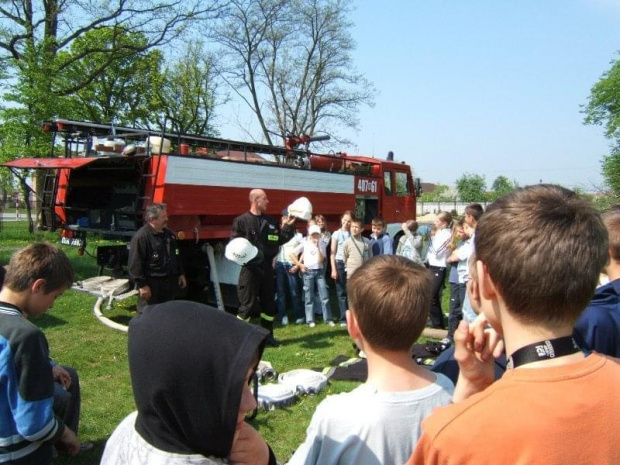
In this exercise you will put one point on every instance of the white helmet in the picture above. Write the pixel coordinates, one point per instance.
(240, 251)
(301, 208)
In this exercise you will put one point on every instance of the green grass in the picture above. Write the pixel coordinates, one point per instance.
(99, 354)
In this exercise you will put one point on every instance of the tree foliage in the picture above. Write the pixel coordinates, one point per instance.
(187, 96)
(121, 94)
(290, 61)
(501, 186)
(611, 171)
(440, 194)
(603, 109)
(471, 188)
(57, 48)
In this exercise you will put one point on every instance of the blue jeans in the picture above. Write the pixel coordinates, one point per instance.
(285, 280)
(457, 297)
(312, 278)
(317, 300)
(341, 290)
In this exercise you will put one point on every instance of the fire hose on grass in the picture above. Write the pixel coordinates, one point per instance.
(106, 321)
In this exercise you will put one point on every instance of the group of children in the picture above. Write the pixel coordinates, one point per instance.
(309, 259)
(538, 255)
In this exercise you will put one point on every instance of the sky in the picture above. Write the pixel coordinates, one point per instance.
(485, 86)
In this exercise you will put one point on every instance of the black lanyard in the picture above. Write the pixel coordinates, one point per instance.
(543, 350)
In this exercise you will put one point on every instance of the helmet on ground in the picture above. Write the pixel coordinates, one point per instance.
(301, 208)
(240, 251)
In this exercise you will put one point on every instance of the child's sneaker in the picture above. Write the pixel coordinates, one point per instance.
(312, 324)
(285, 321)
(331, 323)
(300, 321)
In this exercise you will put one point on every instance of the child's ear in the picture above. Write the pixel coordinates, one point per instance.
(486, 286)
(352, 327)
(38, 285)
(475, 302)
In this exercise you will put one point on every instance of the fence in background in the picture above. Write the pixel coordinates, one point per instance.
(424, 208)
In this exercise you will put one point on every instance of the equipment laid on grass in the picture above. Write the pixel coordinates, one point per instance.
(290, 386)
(304, 381)
(271, 396)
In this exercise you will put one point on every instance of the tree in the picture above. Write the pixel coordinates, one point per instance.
(33, 37)
(501, 186)
(471, 188)
(290, 61)
(440, 194)
(603, 106)
(188, 94)
(611, 171)
(120, 94)
(603, 109)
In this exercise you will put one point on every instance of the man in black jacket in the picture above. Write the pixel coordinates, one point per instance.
(256, 287)
(154, 264)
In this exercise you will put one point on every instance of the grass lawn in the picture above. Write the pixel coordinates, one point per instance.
(99, 354)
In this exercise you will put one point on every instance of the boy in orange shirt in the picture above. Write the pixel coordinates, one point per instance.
(539, 252)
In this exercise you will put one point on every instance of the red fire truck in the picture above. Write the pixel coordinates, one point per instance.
(105, 175)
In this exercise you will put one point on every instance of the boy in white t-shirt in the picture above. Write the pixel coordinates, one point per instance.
(313, 252)
(379, 421)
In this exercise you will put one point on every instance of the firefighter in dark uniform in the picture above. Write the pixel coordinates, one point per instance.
(154, 264)
(256, 287)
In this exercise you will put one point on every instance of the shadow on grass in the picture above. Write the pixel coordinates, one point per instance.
(121, 319)
(314, 340)
(49, 321)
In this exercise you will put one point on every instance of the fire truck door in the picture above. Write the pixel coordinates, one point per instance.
(404, 198)
(389, 203)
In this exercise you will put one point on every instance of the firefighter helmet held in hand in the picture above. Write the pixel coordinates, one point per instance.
(301, 208)
(240, 251)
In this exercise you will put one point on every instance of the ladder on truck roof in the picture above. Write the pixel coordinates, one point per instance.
(88, 130)
(289, 155)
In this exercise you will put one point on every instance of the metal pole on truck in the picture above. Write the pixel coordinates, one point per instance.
(216, 278)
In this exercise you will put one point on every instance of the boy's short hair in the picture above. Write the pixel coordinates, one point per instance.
(40, 260)
(390, 297)
(611, 218)
(356, 221)
(378, 222)
(543, 247)
(412, 225)
(475, 210)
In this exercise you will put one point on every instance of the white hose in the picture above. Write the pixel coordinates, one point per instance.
(106, 321)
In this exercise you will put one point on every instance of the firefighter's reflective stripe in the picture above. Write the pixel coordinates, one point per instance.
(264, 316)
(247, 320)
(273, 237)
